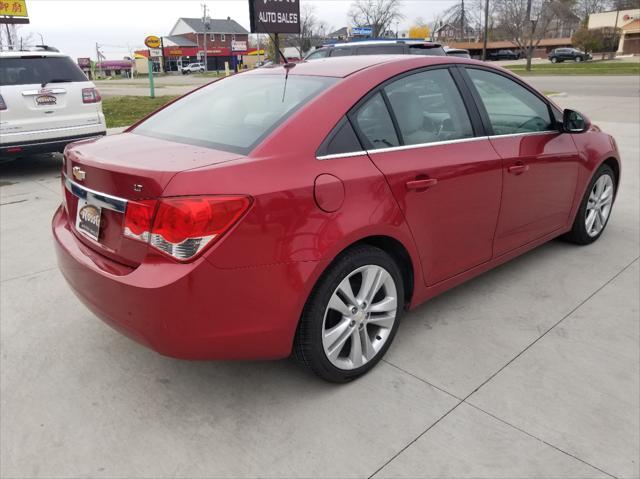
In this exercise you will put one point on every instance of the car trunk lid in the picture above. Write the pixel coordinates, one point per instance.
(110, 172)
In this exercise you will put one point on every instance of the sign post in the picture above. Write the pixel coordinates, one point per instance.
(153, 43)
(275, 16)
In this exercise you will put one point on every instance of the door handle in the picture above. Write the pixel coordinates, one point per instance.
(421, 184)
(518, 168)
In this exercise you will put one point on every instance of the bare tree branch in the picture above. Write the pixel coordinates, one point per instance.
(377, 14)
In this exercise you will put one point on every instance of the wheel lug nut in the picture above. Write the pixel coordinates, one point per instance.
(354, 310)
(352, 324)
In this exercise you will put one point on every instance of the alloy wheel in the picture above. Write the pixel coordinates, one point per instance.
(599, 205)
(359, 317)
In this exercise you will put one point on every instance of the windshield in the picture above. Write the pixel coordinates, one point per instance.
(29, 70)
(233, 114)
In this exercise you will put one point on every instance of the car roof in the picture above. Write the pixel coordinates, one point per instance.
(341, 67)
(392, 41)
(21, 54)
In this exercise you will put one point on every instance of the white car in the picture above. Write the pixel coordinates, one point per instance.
(193, 67)
(46, 102)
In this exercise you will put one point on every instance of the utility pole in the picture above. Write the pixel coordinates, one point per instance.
(486, 30)
(529, 41)
(276, 43)
(205, 22)
(462, 20)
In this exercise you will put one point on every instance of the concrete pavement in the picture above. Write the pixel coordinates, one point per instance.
(528, 371)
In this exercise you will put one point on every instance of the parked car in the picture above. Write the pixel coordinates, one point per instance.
(560, 55)
(377, 47)
(193, 68)
(503, 55)
(46, 102)
(223, 226)
(457, 52)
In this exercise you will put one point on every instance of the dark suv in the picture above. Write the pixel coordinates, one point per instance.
(503, 55)
(377, 47)
(570, 54)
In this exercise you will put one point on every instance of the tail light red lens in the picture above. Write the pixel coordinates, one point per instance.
(90, 95)
(3, 105)
(183, 227)
(138, 219)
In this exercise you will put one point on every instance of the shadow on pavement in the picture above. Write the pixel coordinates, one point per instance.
(30, 167)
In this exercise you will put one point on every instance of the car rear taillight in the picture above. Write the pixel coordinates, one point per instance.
(183, 227)
(3, 105)
(90, 95)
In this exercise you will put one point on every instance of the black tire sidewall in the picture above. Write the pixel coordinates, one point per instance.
(579, 231)
(311, 327)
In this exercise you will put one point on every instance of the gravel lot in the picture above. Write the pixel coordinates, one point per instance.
(530, 370)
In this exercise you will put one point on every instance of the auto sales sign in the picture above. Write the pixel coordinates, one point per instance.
(275, 16)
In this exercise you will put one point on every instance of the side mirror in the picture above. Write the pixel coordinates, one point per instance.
(574, 122)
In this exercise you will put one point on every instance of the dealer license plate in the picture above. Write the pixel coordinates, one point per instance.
(88, 219)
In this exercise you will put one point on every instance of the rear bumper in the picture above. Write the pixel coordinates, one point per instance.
(188, 311)
(25, 148)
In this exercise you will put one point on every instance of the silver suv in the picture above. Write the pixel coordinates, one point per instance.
(46, 102)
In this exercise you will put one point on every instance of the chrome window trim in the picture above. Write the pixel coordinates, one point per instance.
(530, 133)
(426, 145)
(102, 200)
(434, 143)
(334, 156)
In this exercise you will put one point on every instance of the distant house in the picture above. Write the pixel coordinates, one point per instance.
(225, 39)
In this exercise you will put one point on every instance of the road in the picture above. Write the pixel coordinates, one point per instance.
(530, 370)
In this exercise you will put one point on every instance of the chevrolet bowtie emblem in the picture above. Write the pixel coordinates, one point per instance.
(78, 174)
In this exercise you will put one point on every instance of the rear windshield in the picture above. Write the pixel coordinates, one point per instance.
(31, 70)
(233, 114)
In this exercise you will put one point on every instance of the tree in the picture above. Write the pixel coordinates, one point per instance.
(584, 8)
(526, 24)
(309, 27)
(419, 29)
(588, 40)
(377, 14)
(596, 40)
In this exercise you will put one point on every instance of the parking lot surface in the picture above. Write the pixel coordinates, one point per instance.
(528, 371)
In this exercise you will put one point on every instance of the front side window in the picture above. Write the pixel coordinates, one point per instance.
(235, 113)
(429, 108)
(375, 124)
(318, 54)
(511, 108)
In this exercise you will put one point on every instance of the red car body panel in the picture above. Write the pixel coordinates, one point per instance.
(244, 296)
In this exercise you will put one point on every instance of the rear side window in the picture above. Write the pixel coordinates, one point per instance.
(29, 70)
(429, 108)
(342, 52)
(511, 107)
(234, 114)
(318, 54)
(430, 50)
(381, 50)
(375, 124)
(341, 140)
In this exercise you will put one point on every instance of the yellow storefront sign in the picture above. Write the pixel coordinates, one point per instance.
(13, 8)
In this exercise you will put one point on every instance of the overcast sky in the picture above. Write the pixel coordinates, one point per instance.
(74, 26)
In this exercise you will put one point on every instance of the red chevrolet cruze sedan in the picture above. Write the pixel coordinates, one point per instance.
(301, 209)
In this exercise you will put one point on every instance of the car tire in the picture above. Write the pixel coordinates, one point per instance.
(330, 325)
(597, 201)
(554, 60)
(577, 59)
